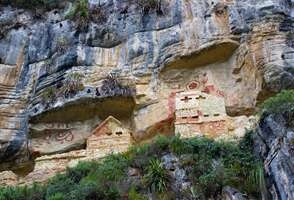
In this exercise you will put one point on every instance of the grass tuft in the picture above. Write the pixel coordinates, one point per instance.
(210, 166)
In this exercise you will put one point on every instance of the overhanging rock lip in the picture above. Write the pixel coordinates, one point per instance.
(41, 117)
(216, 51)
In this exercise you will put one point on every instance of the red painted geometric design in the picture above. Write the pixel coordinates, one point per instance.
(193, 85)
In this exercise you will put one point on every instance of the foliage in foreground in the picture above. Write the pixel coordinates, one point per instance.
(283, 101)
(211, 165)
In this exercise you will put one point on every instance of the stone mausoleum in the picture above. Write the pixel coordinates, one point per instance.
(110, 137)
(198, 113)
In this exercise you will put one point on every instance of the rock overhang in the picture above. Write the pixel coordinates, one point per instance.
(192, 28)
(216, 51)
(85, 108)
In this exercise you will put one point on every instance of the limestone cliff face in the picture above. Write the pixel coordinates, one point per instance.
(274, 144)
(60, 80)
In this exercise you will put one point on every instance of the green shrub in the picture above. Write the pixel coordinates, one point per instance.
(156, 178)
(201, 165)
(94, 189)
(141, 155)
(59, 184)
(113, 168)
(111, 192)
(162, 142)
(78, 9)
(87, 190)
(134, 195)
(216, 164)
(140, 149)
(210, 184)
(10, 193)
(80, 171)
(246, 143)
(284, 101)
(210, 165)
(57, 196)
(82, 8)
(80, 13)
(256, 178)
(179, 146)
(35, 192)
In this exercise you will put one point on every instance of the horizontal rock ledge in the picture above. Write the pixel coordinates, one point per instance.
(86, 108)
(212, 52)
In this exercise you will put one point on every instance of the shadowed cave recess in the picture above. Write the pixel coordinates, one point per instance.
(81, 79)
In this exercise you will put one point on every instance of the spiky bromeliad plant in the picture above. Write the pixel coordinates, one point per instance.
(210, 165)
(157, 178)
(49, 95)
(151, 5)
(72, 83)
(80, 13)
(62, 44)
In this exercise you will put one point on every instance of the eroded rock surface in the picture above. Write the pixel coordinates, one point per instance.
(274, 144)
(59, 80)
(230, 193)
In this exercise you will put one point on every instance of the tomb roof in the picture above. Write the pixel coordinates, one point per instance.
(109, 119)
